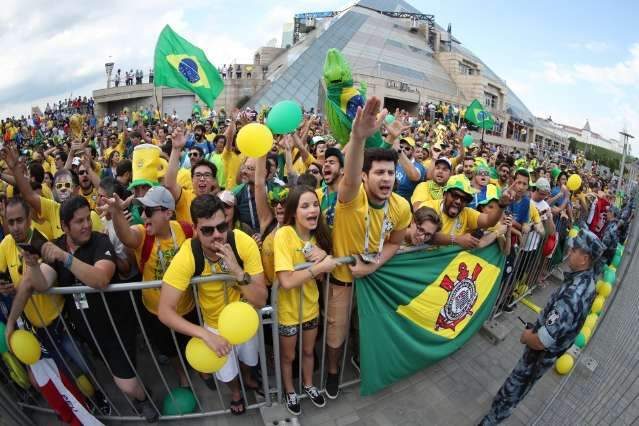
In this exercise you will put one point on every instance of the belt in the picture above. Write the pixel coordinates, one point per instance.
(337, 282)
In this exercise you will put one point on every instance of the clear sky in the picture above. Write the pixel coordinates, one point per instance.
(569, 60)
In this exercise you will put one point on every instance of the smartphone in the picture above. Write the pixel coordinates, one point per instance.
(29, 248)
(477, 233)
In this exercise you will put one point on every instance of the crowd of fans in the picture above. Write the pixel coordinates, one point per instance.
(118, 199)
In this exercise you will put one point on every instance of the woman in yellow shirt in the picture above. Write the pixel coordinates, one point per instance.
(303, 238)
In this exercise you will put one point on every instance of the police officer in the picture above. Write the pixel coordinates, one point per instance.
(556, 327)
(610, 236)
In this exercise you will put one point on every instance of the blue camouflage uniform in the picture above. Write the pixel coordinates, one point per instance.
(557, 327)
(610, 237)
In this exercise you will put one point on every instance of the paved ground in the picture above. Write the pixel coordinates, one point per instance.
(459, 390)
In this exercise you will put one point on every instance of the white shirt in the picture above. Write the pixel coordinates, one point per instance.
(534, 238)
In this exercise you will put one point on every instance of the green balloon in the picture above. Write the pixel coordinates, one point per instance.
(285, 117)
(182, 402)
(610, 276)
(616, 260)
(389, 118)
(467, 141)
(3, 341)
(580, 342)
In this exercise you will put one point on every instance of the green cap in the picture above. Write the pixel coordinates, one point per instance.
(460, 183)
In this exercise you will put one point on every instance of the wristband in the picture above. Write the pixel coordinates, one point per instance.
(452, 238)
(68, 261)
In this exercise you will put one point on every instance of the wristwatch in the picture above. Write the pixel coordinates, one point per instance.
(246, 279)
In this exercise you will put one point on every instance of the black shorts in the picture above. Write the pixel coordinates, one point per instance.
(160, 335)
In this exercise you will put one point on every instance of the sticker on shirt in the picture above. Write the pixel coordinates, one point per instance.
(387, 227)
(552, 318)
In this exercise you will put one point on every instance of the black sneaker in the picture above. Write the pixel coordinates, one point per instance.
(103, 404)
(315, 396)
(293, 404)
(355, 363)
(146, 410)
(332, 386)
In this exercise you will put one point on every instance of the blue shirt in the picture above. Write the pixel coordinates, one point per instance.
(521, 210)
(477, 197)
(405, 186)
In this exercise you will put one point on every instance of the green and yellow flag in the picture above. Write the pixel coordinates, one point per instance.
(481, 118)
(181, 65)
(421, 307)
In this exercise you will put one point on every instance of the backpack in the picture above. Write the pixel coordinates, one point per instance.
(149, 241)
(198, 253)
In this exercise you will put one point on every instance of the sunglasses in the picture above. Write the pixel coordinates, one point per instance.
(314, 171)
(276, 202)
(148, 211)
(82, 172)
(194, 154)
(482, 173)
(437, 150)
(61, 185)
(207, 231)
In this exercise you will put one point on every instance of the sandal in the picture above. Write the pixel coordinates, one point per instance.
(237, 407)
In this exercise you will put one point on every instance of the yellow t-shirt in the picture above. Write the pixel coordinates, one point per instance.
(300, 166)
(91, 197)
(288, 253)
(46, 191)
(50, 211)
(231, 163)
(465, 221)
(349, 228)
(184, 178)
(268, 257)
(211, 294)
(183, 206)
(40, 309)
(423, 193)
(156, 266)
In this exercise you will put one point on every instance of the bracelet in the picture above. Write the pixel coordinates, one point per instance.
(310, 270)
(68, 261)
(452, 238)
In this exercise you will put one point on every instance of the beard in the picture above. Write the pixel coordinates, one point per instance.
(198, 137)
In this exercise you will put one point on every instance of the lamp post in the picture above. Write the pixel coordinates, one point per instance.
(625, 135)
(109, 69)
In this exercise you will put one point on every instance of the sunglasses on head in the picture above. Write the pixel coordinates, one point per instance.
(148, 211)
(207, 231)
(61, 185)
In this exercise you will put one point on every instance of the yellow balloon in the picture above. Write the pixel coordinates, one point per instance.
(598, 304)
(572, 233)
(587, 332)
(25, 347)
(574, 182)
(202, 358)
(85, 386)
(254, 140)
(590, 321)
(564, 364)
(613, 267)
(603, 289)
(238, 322)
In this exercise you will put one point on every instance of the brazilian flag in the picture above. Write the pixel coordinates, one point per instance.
(420, 307)
(481, 118)
(181, 65)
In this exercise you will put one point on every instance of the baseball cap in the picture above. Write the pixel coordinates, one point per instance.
(445, 161)
(408, 140)
(158, 196)
(589, 243)
(76, 161)
(317, 139)
(543, 185)
(227, 197)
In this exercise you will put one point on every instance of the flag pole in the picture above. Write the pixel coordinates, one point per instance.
(483, 125)
(157, 103)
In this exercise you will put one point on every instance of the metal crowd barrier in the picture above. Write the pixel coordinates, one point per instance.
(528, 266)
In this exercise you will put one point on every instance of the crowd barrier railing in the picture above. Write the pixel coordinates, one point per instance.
(528, 266)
